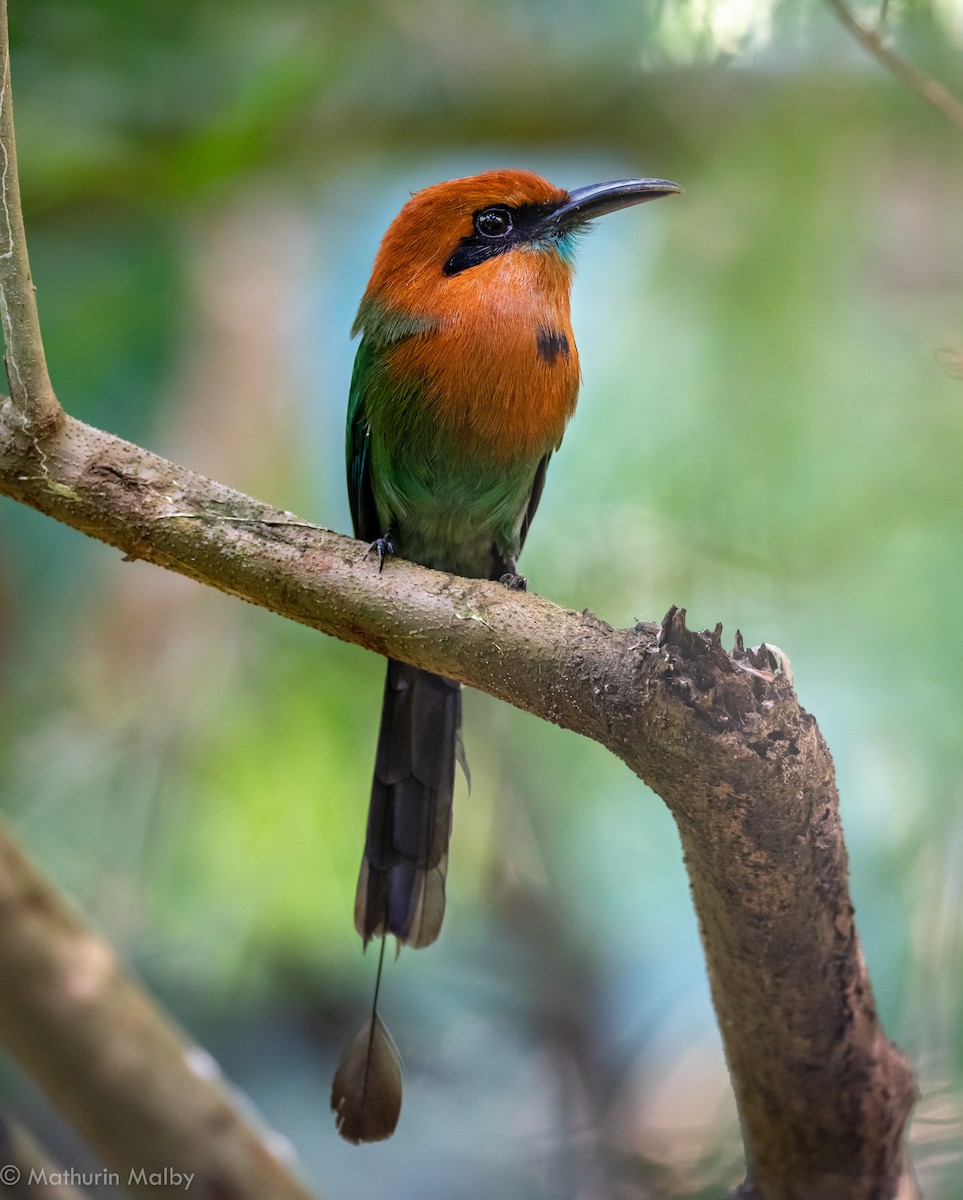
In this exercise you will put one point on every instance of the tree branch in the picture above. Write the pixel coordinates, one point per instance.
(928, 89)
(144, 1097)
(823, 1095)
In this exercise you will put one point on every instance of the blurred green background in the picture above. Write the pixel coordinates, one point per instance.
(769, 433)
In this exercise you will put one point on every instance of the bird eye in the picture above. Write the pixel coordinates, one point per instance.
(493, 222)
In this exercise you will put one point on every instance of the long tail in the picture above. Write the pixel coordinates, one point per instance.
(401, 887)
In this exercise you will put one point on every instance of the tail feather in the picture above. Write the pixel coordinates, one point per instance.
(401, 886)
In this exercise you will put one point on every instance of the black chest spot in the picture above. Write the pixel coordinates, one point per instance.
(551, 345)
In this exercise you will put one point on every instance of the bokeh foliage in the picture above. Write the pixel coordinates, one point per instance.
(770, 434)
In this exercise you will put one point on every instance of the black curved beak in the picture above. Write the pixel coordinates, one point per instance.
(587, 203)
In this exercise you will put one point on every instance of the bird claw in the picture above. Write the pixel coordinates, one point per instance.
(514, 583)
(384, 547)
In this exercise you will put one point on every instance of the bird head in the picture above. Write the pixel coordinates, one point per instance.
(466, 227)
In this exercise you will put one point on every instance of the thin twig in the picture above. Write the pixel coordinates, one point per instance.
(30, 387)
(927, 88)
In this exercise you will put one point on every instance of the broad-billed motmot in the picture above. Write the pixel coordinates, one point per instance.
(465, 378)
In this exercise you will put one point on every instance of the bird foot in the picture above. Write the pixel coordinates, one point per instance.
(384, 547)
(514, 583)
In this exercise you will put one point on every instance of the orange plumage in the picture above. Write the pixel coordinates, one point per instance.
(486, 383)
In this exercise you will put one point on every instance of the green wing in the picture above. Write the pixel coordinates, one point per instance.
(380, 328)
(538, 483)
(364, 512)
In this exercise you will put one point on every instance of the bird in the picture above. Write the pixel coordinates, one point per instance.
(465, 378)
